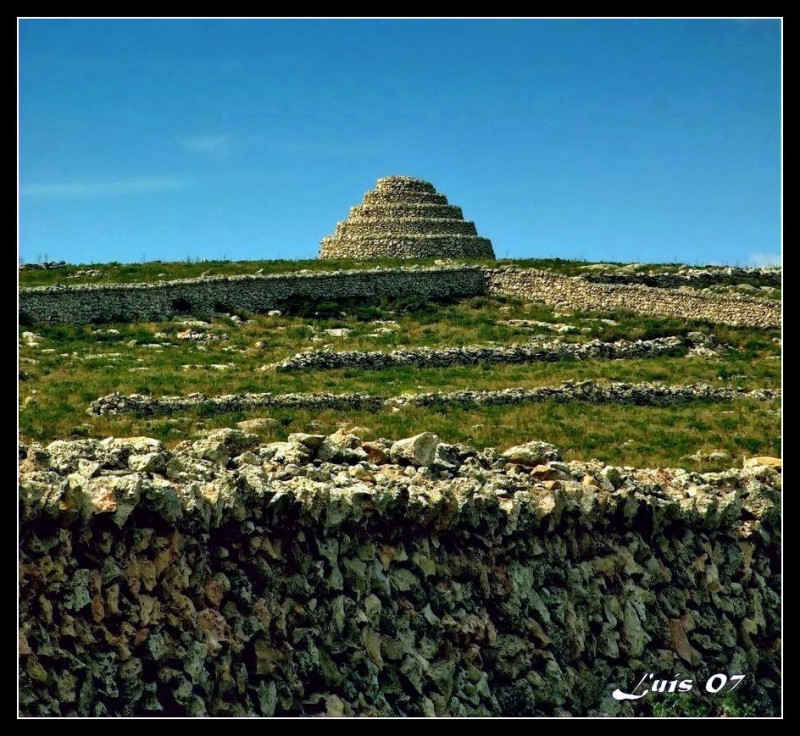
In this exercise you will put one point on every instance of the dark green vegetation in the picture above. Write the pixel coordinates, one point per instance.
(64, 368)
(680, 705)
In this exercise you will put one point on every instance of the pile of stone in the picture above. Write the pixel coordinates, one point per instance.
(533, 352)
(328, 575)
(405, 217)
(644, 394)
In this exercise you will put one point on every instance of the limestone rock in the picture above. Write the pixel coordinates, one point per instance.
(286, 452)
(419, 451)
(63, 455)
(150, 462)
(114, 451)
(222, 444)
(612, 475)
(259, 424)
(377, 452)
(310, 441)
(765, 460)
(532, 453)
(252, 588)
(549, 472)
(342, 446)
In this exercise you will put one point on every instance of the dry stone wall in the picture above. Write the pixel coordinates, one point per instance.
(256, 293)
(575, 293)
(693, 277)
(500, 354)
(330, 576)
(644, 394)
(87, 303)
(405, 218)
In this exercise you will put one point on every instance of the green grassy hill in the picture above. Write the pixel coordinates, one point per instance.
(64, 368)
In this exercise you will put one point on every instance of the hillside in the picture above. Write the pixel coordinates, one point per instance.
(66, 367)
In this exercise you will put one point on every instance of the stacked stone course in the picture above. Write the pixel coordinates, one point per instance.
(405, 218)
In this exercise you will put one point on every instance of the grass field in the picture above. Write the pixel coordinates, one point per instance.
(66, 367)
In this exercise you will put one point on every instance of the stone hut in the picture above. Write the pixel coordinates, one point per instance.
(405, 217)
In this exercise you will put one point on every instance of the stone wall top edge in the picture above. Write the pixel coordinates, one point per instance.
(239, 278)
(641, 288)
(71, 499)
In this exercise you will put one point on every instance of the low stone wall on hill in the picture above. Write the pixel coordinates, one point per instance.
(694, 277)
(533, 352)
(86, 303)
(256, 293)
(578, 294)
(641, 394)
(326, 575)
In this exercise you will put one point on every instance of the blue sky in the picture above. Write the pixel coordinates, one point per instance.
(605, 140)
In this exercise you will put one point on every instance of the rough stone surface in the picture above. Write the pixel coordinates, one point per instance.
(532, 453)
(419, 450)
(320, 588)
(405, 218)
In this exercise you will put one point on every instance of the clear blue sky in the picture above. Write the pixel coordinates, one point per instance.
(621, 140)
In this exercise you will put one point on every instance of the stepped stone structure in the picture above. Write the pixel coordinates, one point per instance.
(405, 217)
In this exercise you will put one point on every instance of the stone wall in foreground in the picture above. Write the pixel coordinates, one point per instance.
(576, 293)
(326, 575)
(257, 293)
